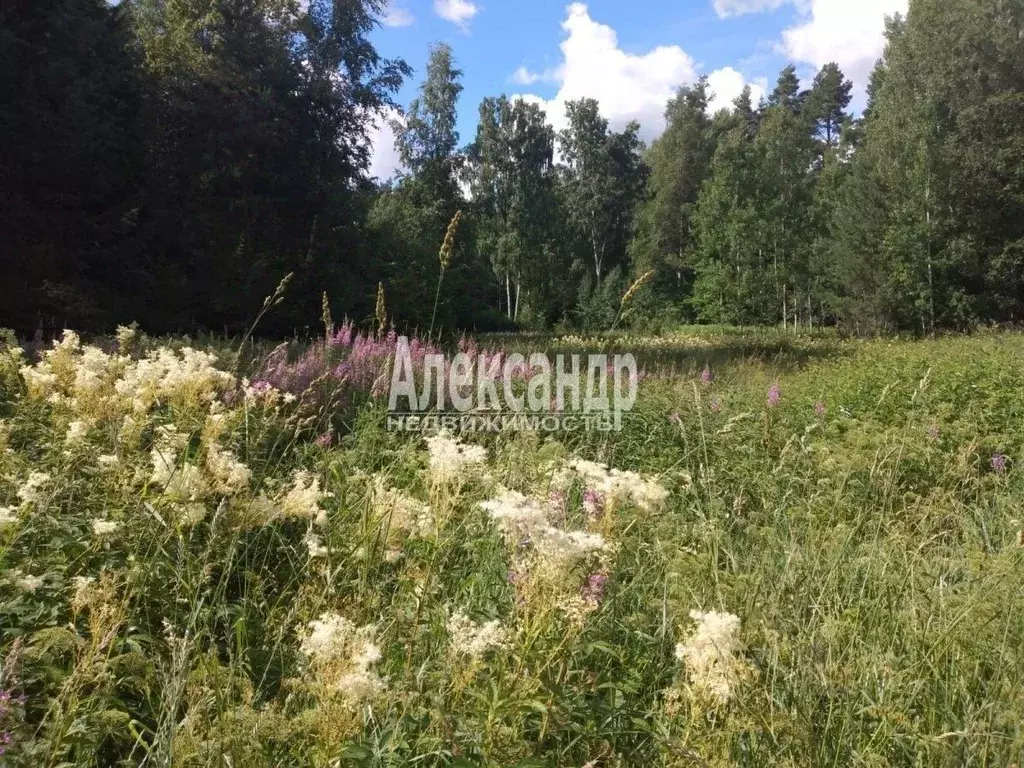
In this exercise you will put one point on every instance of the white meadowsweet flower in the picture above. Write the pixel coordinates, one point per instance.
(104, 527)
(614, 484)
(25, 582)
(231, 475)
(314, 545)
(450, 459)
(9, 516)
(342, 656)
(473, 640)
(302, 500)
(77, 433)
(33, 490)
(401, 512)
(108, 462)
(517, 515)
(711, 655)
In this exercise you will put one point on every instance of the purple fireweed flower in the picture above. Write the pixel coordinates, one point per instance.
(999, 463)
(325, 440)
(593, 590)
(593, 503)
(819, 408)
(774, 395)
(716, 406)
(706, 377)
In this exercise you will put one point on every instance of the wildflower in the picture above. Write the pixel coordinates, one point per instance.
(706, 377)
(819, 408)
(302, 500)
(108, 462)
(450, 459)
(401, 512)
(230, 474)
(104, 527)
(999, 463)
(716, 406)
(593, 503)
(8, 515)
(614, 484)
(774, 395)
(33, 490)
(85, 592)
(126, 337)
(593, 590)
(26, 582)
(76, 434)
(473, 640)
(517, 515)
(710, 655)
(934, 432)
(325, 440)
(343, 655)
(314, 546)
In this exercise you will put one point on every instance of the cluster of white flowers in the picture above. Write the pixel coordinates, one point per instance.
(77, 432)
(343, 655)
(33, 490)
(711, 655)
(402, 512)
(8, 515)
(450, 459)
(314, 545)
(92, 382)
(108, 462)
(104, 527)
(517, 515)
(302, 500)
(230, 475)
(85, 593)
(613, 484)
(185, 378)
(25, 582)
(473, 640)
(526, 520)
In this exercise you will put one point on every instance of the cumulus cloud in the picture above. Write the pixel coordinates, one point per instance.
(726, 84)
(848, 33)
(396, 16)
(458, 12)
(727, 8)
(384, 160)
(628, 86)
(523, 76)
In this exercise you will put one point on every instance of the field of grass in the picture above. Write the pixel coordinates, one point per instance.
(810, 555)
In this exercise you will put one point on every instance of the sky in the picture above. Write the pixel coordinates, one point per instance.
(630, 55)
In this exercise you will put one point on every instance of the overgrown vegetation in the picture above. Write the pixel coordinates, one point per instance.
(808, 554)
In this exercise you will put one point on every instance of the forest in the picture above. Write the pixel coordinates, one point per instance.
(168, 162)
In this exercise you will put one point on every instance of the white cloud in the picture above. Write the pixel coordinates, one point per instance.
(726, 84)
(523, 76)
(458, 12)
(846, 32)
(383, 155)
(396, 16)
(628, 86)
(727, 8)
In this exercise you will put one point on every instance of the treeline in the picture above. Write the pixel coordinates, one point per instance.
(168, 161)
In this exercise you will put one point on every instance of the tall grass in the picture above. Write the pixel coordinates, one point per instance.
(859, 528)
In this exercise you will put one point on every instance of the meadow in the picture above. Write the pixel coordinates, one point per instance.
(799, 551)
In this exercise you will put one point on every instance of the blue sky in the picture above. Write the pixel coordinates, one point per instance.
(630, 56)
